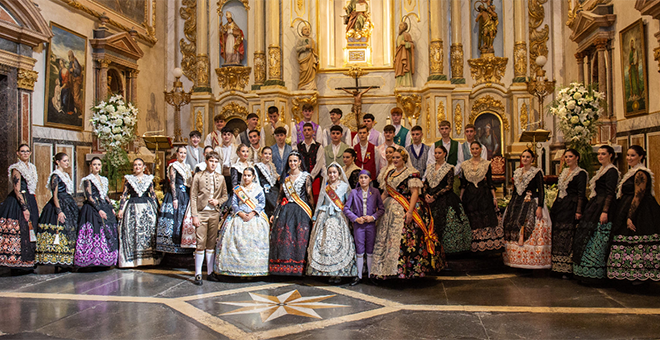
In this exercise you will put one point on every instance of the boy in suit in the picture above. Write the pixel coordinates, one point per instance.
(281, 149)
(195, 153)
(208, 193)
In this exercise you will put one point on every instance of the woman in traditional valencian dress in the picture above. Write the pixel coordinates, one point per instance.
(389, 151)
(479, 202)
(58, 224)
(451, 223)
(97, 227)
(138, 215)
(174, 206)
(351, 170)
(243, 152)
(242, 247)
(567, 211)
(331, 250)
(19, 214)
(406, 243)
(268, 179)
(591, 244)
(527, 225)
(292, 221)
(635, 251)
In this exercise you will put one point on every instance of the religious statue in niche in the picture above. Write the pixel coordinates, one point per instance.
(488, 21)
(232, 47)
(404, 59)
(308, 59)
(357, 20)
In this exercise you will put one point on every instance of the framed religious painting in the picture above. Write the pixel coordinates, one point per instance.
(135, 10)
(633, 69)
(489, 133)
(65, 79)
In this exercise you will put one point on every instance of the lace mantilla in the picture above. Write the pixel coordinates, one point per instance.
(267, 171)
(140, 185)
(475, 173)
(521, 179)
(298, 184)
(241, 166)
(29, 173)
(183, 170)
(394, 181)
(435, 176)
(64, 177)
(101, 186)
(631, 173)
(598, 175)
(565, 178)
(348, 171)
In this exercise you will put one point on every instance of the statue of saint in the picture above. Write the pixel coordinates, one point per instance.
(356, 15)
(308, 60)
(404, 59)
(488, 21)
(232, 47)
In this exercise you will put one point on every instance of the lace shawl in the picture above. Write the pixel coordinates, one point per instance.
(29, 173)
(565, 178)
(64, 177)
(598, 175)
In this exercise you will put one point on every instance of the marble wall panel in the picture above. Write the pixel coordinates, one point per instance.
(82, 168)
(623, 164)
(653, 155)
(67, 149)
(9, 138)
(42, 154)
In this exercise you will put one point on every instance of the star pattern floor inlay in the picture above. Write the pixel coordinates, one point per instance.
(290, 303)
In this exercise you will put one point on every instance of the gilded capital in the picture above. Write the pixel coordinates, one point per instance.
(233, 78)
(488, 70)
(601, 44)
(436, 57)
(259, 68)
(202, 71)
(274, 63)
(579, 57)
(26, 79)
(520, 59)
(103, 63)
(456, 52)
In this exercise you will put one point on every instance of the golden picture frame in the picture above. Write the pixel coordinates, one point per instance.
(633, 69)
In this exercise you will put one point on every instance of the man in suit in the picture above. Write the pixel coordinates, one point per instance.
(255, 146)
(335, 117)
(244, 137)
(208, 193)
(281, 149)
(195, 153)
(366, 152)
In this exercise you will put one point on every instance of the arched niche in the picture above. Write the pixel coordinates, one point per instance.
(239, 11)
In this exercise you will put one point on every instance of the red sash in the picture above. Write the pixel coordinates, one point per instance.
(245, 198)
(288, 185)
(333, 197)
(429, 235)
(214, 141)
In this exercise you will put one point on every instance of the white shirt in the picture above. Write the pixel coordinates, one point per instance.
(346, 135)
(431, 155)
(228, 154)
(397, 128)
(208, 141)
(381, 138)
(363, 149)
(365, 195)
(318, 137)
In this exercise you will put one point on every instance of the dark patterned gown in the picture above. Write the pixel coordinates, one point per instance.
(97, 237)
(268, 179)
(592, 240)
(635, 255)
(289, 235)
(477, 180)
(353, 174)
(137, 230)
(405, 250)
(451, 224)
(16, 250)
(570, 201)
(169, 229)
(56, 242)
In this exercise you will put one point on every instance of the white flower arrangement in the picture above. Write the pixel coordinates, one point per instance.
(114, 125)
(577, 107)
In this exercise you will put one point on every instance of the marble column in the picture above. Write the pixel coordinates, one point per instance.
(134, 88)
(202, 45)
(601, 48)
(456, 49)
(436, 46)
(519, 46)
(580, 61)
(274, 48)
(259, 60)
(102, 87)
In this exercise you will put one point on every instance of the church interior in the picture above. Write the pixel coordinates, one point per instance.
(502, 68)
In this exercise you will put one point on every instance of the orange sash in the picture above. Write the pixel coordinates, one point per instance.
(288, 185)
(333, 196)
(429, 235)
(245, 198)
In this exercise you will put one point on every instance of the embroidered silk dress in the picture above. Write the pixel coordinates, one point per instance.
(570, 201)
(451, 224)
(137, 230)
(331, 250)
(291, 226)
(477, 180)
(97, 237)
(16, 249)
(268, 179)
(635, 255)
(591, 244)
(56, 242)
(170, 223)
(527, 239)
(242, 247)
(405, 250)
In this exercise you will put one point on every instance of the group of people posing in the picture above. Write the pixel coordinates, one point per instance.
(253, 205)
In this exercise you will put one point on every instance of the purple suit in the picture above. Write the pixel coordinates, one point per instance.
(364, 234)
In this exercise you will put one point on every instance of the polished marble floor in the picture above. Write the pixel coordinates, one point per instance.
(161, 303)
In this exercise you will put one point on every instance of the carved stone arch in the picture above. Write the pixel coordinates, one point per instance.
(233, 110)
(489, 104)
(29, 26)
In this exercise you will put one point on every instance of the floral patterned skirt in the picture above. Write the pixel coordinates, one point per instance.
(242, 247)
(137, 234)
(56, 242)
(288, 241)
(331, 250)
(97, 243)
(16, 250)
(527, 241)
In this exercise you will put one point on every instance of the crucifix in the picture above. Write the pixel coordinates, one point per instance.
(356, 91)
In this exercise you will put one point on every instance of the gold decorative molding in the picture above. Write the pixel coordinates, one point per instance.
(456, 52)
(259, 68)
(538, 38)
(441, 112)
(200, 120)
(202, 71)
(234, 110)
(488, 69)
(298, 102)
(436, 57)
(520, 59)
(233, 78)
(656, 56)
(188, 12)
(523, 117)
(575, 6)
(458, 118)
(428, 119)
(490, 104)
(221, 3)
(274, 63)
(26, 79)
(411, 105)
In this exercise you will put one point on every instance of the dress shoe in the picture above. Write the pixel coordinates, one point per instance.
(355, 281)
(198, 280)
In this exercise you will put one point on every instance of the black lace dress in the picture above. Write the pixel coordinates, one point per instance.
(635, 254)
(591, 244)
(137, 230)
(268, 180)
(570, 201)
(56, 242)
(17, 251)
(169, 231)
(487, 233)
